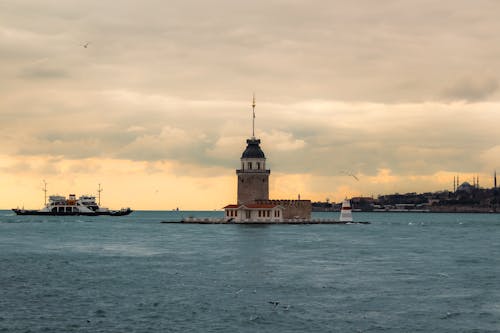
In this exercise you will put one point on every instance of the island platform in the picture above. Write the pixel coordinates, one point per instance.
(197, 220)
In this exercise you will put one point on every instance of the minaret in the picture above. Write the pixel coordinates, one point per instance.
(495, 180)
(454, 184)
(253, 177)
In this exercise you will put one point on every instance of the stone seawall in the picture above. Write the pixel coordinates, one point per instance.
(294, 209)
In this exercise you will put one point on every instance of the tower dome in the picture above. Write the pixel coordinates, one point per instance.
(253, 149)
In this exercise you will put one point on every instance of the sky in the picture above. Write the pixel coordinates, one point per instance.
(152, 99)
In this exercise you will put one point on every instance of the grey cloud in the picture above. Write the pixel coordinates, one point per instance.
(324, 146)
(359, 51)
(192, 65)
(43, 73)
(47, 167)
(420, 141)
(472, 89)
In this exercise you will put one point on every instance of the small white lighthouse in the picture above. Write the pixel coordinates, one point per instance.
(346, 211)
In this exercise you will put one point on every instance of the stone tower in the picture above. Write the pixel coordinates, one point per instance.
(253, 178)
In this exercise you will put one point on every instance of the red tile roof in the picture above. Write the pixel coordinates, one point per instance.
(232, 206)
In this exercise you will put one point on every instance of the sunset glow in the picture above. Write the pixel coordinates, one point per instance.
(153, 100)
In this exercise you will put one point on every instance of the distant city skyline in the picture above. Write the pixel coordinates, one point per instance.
(154, 100)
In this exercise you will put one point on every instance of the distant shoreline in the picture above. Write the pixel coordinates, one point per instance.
(452, 211)
(331, 211)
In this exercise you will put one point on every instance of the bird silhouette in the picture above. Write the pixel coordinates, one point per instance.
(86, 44)
(350, 174)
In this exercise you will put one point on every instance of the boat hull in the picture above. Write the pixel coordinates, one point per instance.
(38, 212)
(121, 212)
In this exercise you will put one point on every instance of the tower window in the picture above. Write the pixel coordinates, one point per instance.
(258, 165)
(250, 165)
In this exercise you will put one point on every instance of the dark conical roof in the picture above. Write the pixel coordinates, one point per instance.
(253, 149)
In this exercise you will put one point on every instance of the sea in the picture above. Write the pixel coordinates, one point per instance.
(404, 272)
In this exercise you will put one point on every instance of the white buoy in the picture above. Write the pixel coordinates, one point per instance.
(346, 211)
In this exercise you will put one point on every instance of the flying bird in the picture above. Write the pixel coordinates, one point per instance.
(350, 174)
(86, 44)
(275, 303)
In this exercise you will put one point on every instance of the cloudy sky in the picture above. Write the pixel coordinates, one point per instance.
(157, 107)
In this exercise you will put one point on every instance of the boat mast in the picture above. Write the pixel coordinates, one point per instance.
(45, 191)
(99, 190)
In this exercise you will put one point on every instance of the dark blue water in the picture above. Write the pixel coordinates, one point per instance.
(402, 273)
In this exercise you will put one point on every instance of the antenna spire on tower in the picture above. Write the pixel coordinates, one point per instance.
(253, 119)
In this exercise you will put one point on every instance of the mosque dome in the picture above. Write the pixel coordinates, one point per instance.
(253, 149)
(465, 187)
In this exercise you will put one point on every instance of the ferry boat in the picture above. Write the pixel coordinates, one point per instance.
(84, 205)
